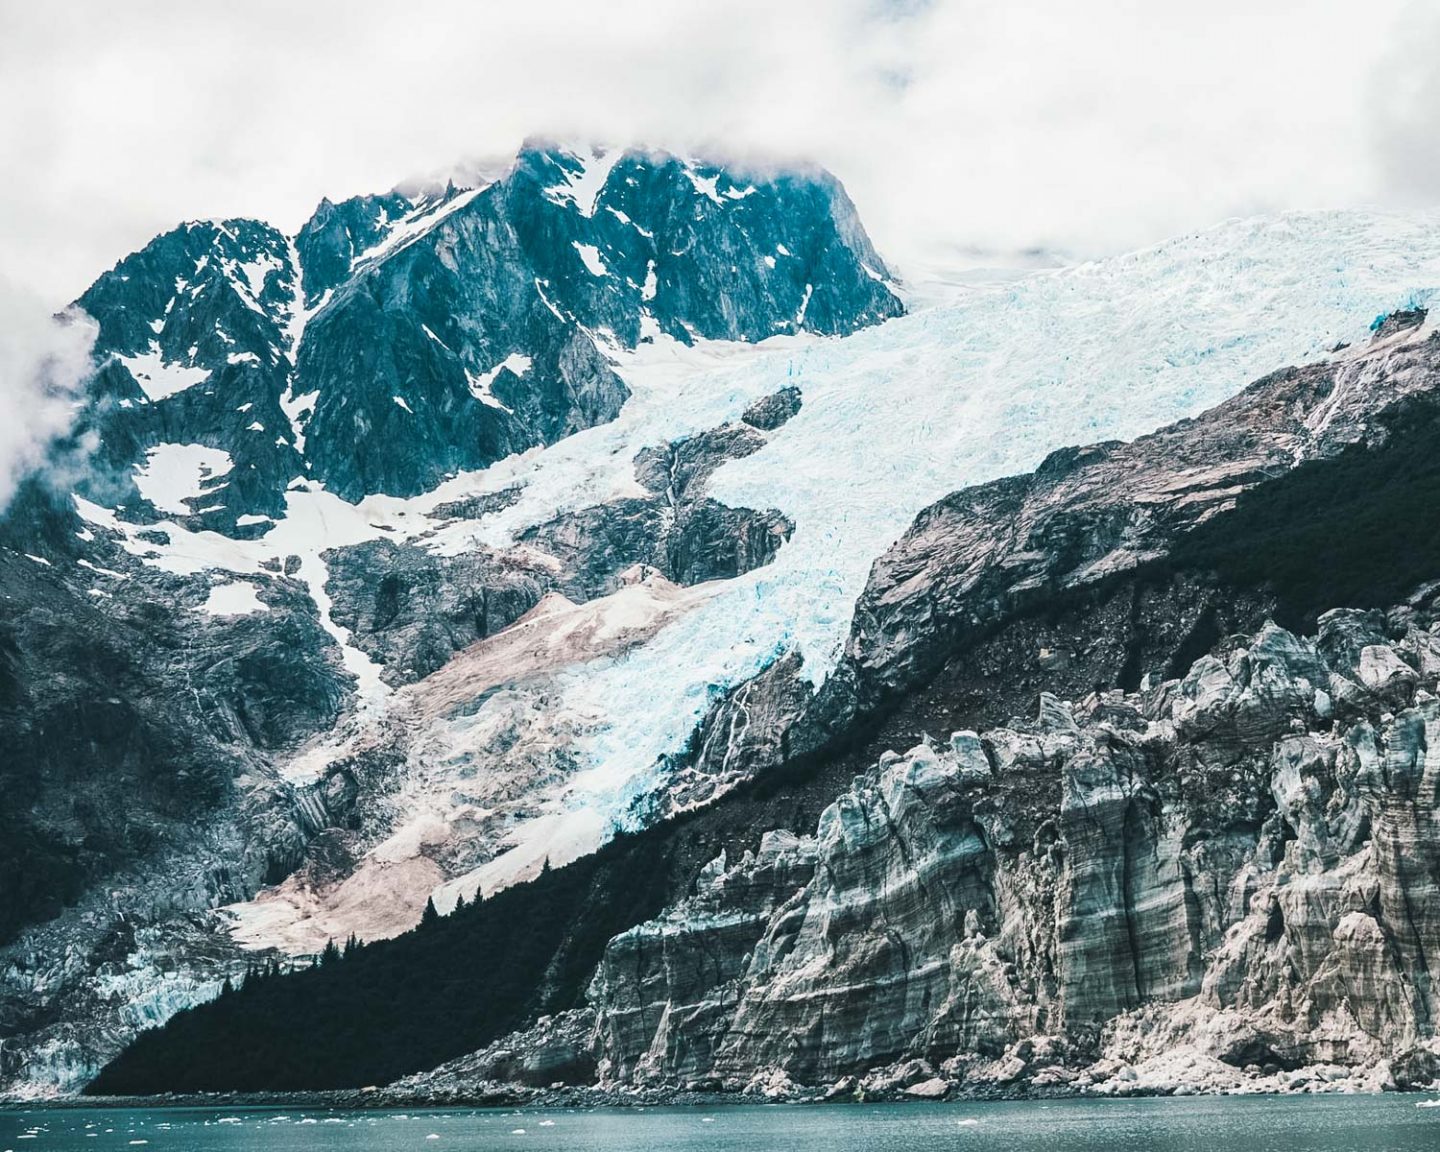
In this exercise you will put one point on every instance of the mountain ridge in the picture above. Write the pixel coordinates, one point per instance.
(386, 698)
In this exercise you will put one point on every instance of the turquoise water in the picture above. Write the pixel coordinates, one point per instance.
(1243, 1124)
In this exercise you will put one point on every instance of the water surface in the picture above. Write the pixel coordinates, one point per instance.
(1201, 1124)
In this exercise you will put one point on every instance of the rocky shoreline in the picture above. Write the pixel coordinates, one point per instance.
(912, 1085)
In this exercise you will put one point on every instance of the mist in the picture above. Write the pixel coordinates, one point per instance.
(957, 126)
(44, 362)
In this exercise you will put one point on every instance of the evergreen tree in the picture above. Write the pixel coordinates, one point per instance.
(412, 1002)
(429, 918)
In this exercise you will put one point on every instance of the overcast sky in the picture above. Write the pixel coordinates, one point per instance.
(1084, 127)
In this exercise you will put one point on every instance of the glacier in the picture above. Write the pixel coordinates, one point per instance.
(897, 416)
(894, 417)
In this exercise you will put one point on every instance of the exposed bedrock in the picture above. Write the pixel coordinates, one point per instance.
(1248, 854)
(411, 608)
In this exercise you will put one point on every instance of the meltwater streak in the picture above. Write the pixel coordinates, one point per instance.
(1389, 1123)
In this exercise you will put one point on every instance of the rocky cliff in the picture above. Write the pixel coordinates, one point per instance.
(1204, 861)
(1228, 876)
(556, 547)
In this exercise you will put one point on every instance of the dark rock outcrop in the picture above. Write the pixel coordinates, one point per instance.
(1234, 858)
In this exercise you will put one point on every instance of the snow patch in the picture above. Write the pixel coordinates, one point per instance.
(157, 377)
(590, 255)
(255, 272)
(583, 188)
(238, 599)
(707, 186)
(804, 305)
(297, 410)
(175, 473)
(481, 382)
(428, 216)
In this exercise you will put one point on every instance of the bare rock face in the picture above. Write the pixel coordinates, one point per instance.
(412, 610)
(1229, 863)
(675, 982)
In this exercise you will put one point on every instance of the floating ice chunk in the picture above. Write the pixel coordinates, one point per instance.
(400, 400)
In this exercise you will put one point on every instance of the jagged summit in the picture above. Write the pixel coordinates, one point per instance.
(400, 338)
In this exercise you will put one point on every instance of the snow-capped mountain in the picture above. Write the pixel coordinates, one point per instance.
(457, 533)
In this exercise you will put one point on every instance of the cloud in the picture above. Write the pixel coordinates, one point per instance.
(44, 362)
(1404, 107)
(954, 123)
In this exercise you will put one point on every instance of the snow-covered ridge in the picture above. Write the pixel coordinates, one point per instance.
(426, 215)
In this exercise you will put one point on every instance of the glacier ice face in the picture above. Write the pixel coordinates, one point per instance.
(897, 416)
